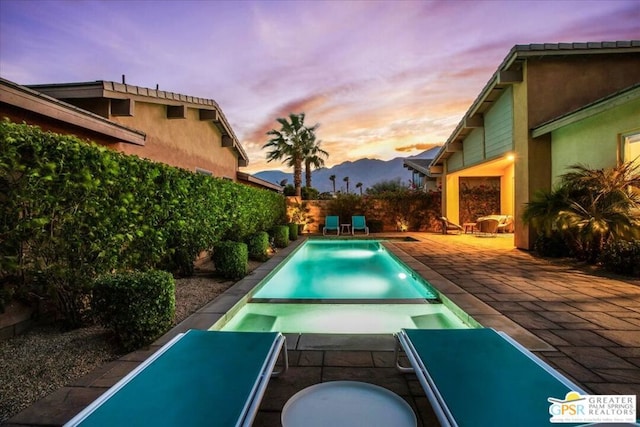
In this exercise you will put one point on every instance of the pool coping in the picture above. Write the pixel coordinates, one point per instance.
(469, 308)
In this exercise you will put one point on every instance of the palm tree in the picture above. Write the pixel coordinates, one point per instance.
(332, 178)
(359, 185)
(346, 179)
(288, 145)
(590, 208)
(313, 156)
(604, 206)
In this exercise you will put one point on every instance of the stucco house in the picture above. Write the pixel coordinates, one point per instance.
(521, 131)
(179, 130)
(421, 176)
(601, 134)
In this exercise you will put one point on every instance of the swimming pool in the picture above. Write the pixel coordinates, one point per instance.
(343, 270)
(342, 286)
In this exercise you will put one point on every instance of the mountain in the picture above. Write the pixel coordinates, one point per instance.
(366, 171)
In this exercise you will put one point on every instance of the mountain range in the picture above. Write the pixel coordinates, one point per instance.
(366, 171)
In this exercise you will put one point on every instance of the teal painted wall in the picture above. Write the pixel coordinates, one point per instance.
(454, 162)
(473, 147)
(498, 126)
(593, 141)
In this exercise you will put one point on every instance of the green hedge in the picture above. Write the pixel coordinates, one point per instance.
(293, 231)
(231, 259)
(71, 210)
(258, 246)
(138, 306)
(622, 257)
(280, 235)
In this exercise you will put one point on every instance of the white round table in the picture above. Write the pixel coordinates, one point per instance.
(347, 403)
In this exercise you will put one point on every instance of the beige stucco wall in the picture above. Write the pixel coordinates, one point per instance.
(507, 190)
(187, 143)
(452, 197)
(593, 141)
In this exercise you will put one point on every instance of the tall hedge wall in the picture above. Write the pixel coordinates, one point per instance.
(72, 210)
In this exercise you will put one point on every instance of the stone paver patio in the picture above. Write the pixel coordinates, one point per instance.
(585, 324)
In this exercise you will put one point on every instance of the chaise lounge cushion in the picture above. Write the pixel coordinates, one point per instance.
(505, 222)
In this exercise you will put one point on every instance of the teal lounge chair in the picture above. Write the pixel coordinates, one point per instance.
(359, 223)
(199, 378)
(482, 377)
(331, 223)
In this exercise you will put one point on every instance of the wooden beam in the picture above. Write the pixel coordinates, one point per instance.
(453, 147)
(227, 141)
(436, 169)
(209, 115)
(24, 99)
(475, 121)
(176, 111)
(242, 162)
(122, 107)
(510, 76)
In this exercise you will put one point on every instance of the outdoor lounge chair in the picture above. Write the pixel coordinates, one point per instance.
(198, 378)
(448, 225)
(487, 226)
(358, 222)
(482, 377)
(331, 222)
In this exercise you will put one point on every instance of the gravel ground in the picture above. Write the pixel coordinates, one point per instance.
(44, 359)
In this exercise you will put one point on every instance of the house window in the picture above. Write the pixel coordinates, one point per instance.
(204, 172)
(631, 148)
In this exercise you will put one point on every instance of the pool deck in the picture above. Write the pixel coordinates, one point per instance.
(585, 324)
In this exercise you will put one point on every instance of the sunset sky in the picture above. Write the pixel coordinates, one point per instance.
(383, 78)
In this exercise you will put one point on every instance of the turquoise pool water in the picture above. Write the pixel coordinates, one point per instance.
(343, 269)
(342, 286)
(342, 318)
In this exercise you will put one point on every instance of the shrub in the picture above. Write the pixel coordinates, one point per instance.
(622, 257)
(309, 193)
(293, 231)
(72, 211)
(231, 259)
(137, 306)
(280, 235)
(554, 246)
(346, 205)
(258, 245)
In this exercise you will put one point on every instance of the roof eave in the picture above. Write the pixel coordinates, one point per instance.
(47, 106)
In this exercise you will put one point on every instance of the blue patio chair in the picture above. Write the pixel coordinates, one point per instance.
(331, 222)
(482, 377)
(358, 222)
(199, 378)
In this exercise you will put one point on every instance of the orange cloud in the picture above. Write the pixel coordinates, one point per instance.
(303, 105)
(412, 147)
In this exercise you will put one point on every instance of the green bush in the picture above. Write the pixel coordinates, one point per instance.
(137, 306)
(553, 246)
(622, 257)
(231, 259)
(347, 205)
(293, 231)
(280, 236)
(309, 193)
(71, 211)
(258, 246)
